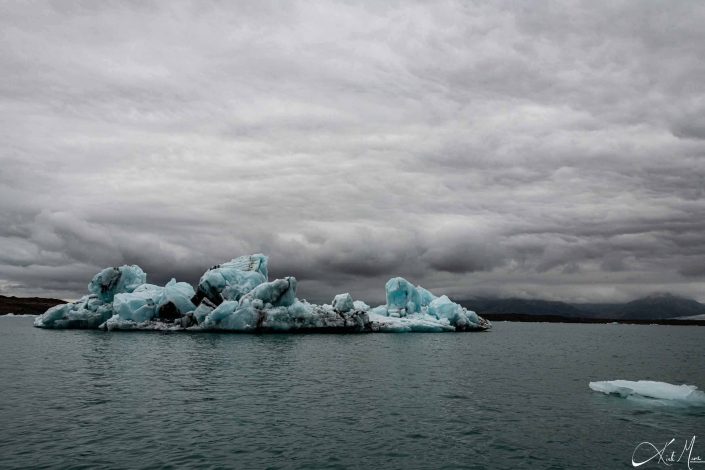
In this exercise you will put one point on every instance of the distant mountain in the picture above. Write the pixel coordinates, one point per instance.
(653, 307)
(522, 306)
(597, 310)
(660, 306)
(26, 305)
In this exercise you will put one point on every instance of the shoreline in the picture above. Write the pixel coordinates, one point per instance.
(527, 318)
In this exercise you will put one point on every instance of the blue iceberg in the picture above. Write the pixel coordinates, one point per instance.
(92, 310)
(232, 280)
(238, 296)
(111, 281)
(148, 302)
(413, 308)
(87, 312)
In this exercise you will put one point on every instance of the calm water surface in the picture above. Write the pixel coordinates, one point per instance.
(516, 397)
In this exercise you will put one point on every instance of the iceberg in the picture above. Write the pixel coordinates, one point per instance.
(402, 297)
(651, 390)
(232, 280)
(253, 316)
(237, 296)
(90, 311)
(413, 308)
(344, 303)
(149, 301)
(111, 281)
(278, 293)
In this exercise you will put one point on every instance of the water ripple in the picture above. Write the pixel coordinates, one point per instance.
(511, 398)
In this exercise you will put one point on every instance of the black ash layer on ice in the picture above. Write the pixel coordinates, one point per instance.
(238, 296)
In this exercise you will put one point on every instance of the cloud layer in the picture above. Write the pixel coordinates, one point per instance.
(533, 149)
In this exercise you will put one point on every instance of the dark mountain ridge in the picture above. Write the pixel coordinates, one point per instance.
(660, 306)
(26, 305)
(522, 306)
(652, 307)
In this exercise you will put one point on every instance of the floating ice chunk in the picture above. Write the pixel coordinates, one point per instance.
(250, 315)
(256, 263)
(175, 300)
(232, 280)
(140, 305)
(236, 296)
(230, 315)
(203, 309)
(116, 323)
(148, 301)
(343, 303)
(402, 297)
(228, 284)
(361, 306)
(425, 296)
(92, 310)
(111, 281)
(443, 307)
(54, 315)
(420, 305)
(87, 312)
(278, 293)
(380, 310)
(648, 389)
(420, 323)
(297, 316)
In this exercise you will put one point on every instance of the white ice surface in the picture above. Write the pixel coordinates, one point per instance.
(343, 303)
(648, 389)
(415, 322)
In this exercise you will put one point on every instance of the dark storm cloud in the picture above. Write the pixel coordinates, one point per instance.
(530, 149)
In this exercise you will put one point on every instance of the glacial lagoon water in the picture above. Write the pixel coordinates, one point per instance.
(515, 397)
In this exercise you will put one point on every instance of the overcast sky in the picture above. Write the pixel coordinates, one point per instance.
(528, 149)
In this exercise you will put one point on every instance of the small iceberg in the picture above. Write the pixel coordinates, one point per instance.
(651, 390)
(238, 296)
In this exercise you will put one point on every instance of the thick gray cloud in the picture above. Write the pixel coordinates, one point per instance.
(534, 149)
